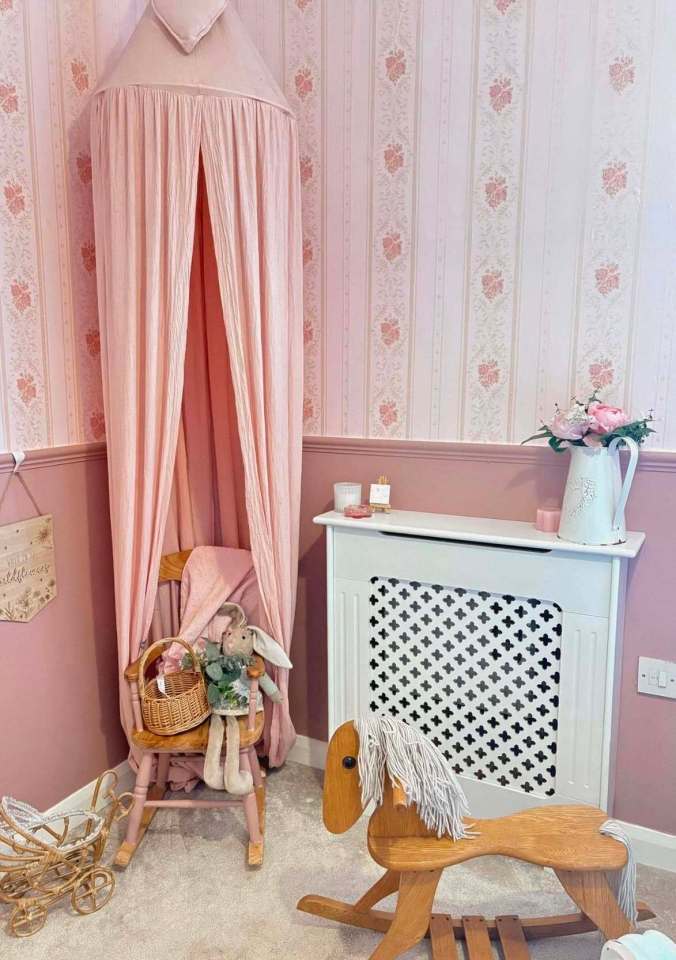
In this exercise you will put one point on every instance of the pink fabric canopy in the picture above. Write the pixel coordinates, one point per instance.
(199, 268)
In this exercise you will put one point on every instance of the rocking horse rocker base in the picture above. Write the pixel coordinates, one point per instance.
(564, 838)
(415, 919)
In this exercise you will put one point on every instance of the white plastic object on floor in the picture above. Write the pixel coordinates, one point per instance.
(651, 945)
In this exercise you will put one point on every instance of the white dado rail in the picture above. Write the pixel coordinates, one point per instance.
(500, 642)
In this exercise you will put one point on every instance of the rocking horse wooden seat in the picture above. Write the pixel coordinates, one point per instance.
(560, 837)
(565, 838)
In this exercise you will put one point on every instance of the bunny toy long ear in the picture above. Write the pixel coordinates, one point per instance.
(269, 649)
(235, 612)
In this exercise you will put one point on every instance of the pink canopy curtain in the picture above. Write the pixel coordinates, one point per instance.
(146, 145)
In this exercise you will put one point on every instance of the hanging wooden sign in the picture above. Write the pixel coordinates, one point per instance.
(27, 570)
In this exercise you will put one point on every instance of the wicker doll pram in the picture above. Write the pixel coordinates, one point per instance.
(43, 857)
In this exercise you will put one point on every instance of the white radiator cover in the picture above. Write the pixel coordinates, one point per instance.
(501, 643)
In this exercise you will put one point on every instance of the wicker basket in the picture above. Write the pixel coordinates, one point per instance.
(183, 705)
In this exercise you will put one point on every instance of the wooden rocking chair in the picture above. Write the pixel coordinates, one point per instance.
(148, 799)
(565, 838)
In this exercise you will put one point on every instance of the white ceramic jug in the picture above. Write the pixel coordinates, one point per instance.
(595, 496)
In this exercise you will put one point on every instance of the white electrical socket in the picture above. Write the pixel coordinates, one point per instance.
(657, 677)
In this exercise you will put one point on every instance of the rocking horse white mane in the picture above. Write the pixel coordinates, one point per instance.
(412, 760)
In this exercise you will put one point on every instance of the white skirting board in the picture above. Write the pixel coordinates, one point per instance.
(309, 752)
(651, 847)
(80, 799)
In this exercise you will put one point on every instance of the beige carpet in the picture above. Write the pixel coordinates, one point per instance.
(188, 896)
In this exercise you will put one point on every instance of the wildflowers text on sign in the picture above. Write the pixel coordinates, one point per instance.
(27, 571)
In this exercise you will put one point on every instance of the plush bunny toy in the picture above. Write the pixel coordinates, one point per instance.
(238, 639)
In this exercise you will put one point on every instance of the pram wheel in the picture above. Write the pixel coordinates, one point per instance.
(27, 920)
(93, 891)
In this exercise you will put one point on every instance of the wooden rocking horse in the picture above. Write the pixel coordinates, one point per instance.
(565, 838)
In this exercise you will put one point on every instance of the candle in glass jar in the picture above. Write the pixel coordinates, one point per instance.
(346, 495)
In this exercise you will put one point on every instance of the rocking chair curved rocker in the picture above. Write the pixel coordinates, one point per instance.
(565, 838)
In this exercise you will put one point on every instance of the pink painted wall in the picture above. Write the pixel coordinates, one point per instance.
(508, 482)
(58, 682)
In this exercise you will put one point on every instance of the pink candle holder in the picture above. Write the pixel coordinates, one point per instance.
(358, 511)
(547, 519)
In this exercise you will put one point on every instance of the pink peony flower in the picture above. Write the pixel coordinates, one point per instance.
(304, 83)
(492, 284)
(9, 99)
(621, 73)
(592, 440)
(21, 295)
(601, 373)
(607, 278)
(306, 170)
(614, 178)
(394, 157)
(605, 419)
(489, 373)
(388, 413)
(389, 331)
(27, 388)
(14, 197)
(79, 75)
(570, 424)
(395, 65)
(392, 246)
(500, 93)
(496, 191)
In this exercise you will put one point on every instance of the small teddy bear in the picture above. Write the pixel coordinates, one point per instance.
(238, 639)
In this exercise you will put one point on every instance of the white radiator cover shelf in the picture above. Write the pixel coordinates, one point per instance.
(500, 642)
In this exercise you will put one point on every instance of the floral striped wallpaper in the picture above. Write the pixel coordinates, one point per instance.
(489, 210)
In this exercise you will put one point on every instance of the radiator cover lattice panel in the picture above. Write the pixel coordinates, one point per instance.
(477, 672)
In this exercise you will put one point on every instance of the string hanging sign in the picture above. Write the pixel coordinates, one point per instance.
(27, 569)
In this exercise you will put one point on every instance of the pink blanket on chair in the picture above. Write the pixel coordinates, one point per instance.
(212, 576)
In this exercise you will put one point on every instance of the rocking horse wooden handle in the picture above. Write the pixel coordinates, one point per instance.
(399, 795)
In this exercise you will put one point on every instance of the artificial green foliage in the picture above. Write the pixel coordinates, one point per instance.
(221, 671)
(639, 431)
